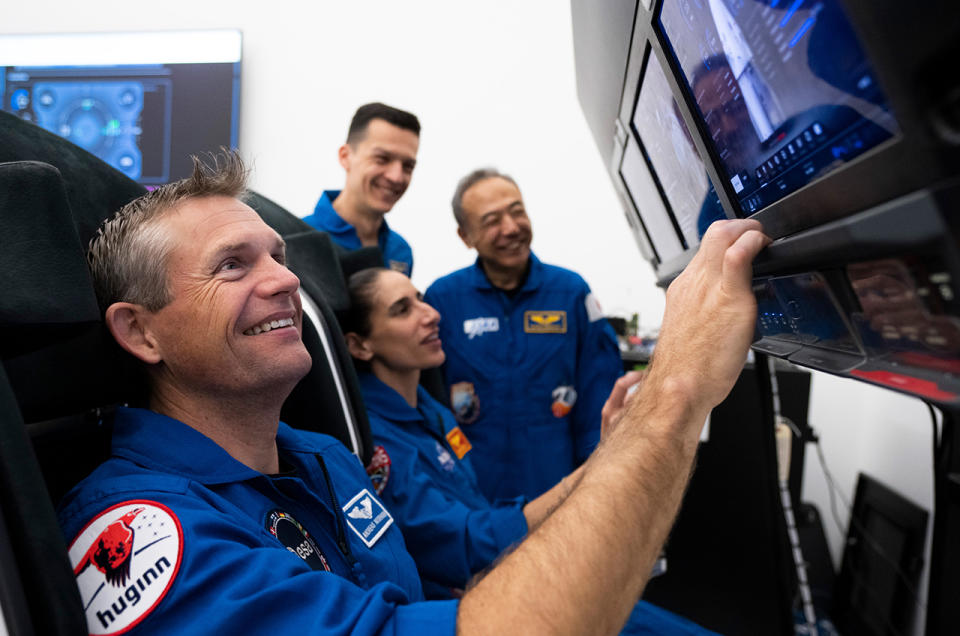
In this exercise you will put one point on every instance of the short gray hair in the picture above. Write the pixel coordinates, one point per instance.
(475, 177)
(129, 254)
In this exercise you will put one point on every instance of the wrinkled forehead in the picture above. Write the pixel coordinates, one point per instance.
(494, 194)
(205, 225)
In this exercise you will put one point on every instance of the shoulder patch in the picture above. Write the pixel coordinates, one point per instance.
(125, 561)
(594, 311)
(465, 402)
(379, 469)
(545, 321)
(367, 517)
(458, 442)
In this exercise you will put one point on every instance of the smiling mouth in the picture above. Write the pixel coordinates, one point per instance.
(269, 325)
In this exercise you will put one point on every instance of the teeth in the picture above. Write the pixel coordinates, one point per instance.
(267, 326)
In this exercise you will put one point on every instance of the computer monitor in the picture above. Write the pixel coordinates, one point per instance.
(783, 89)
(142, 102)
(658, 127)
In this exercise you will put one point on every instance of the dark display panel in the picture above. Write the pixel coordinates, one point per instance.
(145, 119)
(667, 143)
(783, 88)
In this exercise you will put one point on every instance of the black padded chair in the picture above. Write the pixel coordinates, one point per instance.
(62, 375)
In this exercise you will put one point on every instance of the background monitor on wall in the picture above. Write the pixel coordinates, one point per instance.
(142, 102)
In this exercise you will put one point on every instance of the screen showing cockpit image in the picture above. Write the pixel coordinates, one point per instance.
(783, 87)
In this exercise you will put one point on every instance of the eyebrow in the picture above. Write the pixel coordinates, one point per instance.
(377, 150)
(233, 248)
(506, 208)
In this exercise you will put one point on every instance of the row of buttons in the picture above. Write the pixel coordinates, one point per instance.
(790, 154)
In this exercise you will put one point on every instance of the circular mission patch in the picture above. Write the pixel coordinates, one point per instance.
(125, 561)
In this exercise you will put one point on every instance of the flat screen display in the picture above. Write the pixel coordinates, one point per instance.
(665, 139)
(783, 88)
(649, 205)
(141, 102)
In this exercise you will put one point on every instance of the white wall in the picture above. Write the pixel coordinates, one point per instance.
(493, 83)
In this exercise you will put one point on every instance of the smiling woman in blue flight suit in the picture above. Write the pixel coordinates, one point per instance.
(421, 468)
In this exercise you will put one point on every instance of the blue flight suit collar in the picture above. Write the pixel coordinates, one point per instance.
(384, 400)
(346, 234)
(176, 448)
(534, 277)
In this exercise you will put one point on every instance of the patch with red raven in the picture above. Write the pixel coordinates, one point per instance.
(125, 560)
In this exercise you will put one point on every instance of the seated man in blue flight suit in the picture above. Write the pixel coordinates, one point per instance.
(213, 516)
(378, 157)
(422, 468)
(530, 357)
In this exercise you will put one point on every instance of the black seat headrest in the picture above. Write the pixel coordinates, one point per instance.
(43, 273)
(94, 189)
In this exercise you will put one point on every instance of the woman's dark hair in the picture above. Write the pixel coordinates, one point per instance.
(360, 287)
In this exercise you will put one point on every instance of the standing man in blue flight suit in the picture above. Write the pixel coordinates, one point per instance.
(530, 357)
(379, 157)
(212, 516)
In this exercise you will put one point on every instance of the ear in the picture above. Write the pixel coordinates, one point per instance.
(129, 324)
(464, 237)
(357, 347)
(343, 156)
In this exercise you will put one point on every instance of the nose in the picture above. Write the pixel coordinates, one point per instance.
(431, 316)
(395, 172)
(278, 279)
(509, 225)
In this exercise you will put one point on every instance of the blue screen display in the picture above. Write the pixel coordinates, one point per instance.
(783, 88)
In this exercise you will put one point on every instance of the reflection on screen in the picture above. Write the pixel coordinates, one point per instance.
(667, 142)
(783, 88)
(654, 216)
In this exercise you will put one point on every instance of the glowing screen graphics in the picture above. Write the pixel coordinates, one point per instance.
(654, 216)
(143, 118)
(676, 162)
(783, 88)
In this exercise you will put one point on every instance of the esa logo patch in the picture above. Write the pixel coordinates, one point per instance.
(465, 403)
(379, 469)
(547, 321)
(479, 326)
(367, 517)
(296, 539)
(125, 561)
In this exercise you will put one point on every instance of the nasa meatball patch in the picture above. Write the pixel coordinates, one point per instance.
(125, 561)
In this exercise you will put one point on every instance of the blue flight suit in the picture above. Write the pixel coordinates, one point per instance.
(397, 254)
(450, 528)
(514, 363)
(233, 576)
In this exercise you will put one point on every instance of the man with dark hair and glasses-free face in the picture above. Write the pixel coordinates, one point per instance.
(379, 157)
(212, 515)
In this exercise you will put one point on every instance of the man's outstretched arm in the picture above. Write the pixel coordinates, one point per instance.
(582, 570)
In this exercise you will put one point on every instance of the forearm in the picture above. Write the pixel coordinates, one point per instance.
(541, 507)
(597, 549)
